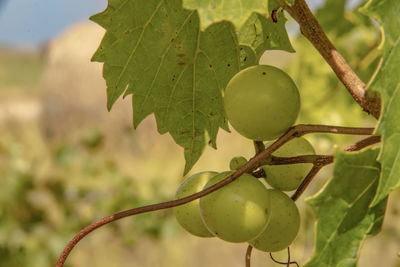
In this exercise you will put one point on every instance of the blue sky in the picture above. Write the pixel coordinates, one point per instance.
(28, 23)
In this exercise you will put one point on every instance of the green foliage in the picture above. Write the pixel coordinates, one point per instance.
(236, 11)
(48, 194)
(263, 34)
(344, 217)
(319, 87)
(333, 18)
(388, 85)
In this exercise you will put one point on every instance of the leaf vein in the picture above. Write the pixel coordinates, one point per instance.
(162, 61)
(137, 43)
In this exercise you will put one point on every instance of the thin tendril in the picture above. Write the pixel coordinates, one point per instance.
(288, 263)
(248, 255)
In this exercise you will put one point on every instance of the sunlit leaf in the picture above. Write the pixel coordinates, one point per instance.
(236, 11)
(342, 210)
(263, 33)
(387, 83)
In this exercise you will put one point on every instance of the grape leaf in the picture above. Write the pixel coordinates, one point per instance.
(344, 217)
(387, 83)
(155, 50)
(263, 34)
(236, 11)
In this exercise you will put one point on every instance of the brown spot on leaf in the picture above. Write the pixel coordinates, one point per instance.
(273, 15)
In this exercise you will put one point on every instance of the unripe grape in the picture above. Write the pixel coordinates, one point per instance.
(237, 162)
(239, 211)
(188, 215)
(261, 102)
(289, 176)
(283, 226)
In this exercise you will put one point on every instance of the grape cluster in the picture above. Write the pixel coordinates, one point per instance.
(261, 103)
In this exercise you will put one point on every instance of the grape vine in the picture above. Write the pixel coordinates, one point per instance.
(261, 102)
(296, 131)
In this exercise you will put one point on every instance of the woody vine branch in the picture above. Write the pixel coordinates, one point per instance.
(293, 132)
(313, 31)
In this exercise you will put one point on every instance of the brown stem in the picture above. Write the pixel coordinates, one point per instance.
(300, 159)
(248, 255)
(302, 129)
(325, 160)
(313, 31)
(307, 180)
(317, 159)
(372, 140)
(295, 131)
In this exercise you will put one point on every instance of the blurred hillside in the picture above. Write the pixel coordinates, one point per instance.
(66, 161)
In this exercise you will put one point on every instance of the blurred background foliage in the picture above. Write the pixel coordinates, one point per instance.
(65, 161)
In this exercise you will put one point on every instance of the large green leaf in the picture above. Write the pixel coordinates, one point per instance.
(344, 217)
(155, 50)
(387, 82)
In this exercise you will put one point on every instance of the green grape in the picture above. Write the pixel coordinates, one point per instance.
(237, 162)
(289, 176)
(239, 211)
(188, 215)
(283, 226)
(261, 102)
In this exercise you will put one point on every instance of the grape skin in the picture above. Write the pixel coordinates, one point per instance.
(283, 226)
(261, 102)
